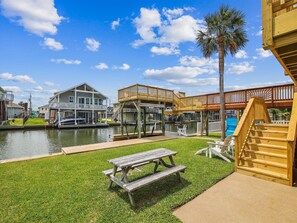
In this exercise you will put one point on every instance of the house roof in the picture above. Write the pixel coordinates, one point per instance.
(79, 85)
(44, 106)
(14, 105)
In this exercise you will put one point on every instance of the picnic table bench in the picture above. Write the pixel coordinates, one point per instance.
(124, 164)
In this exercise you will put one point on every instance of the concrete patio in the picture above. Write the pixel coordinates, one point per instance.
(240, 198)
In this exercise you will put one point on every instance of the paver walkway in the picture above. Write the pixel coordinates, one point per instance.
(108, 145)
(244, 199)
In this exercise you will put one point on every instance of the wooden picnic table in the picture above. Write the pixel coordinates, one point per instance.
(124, 164)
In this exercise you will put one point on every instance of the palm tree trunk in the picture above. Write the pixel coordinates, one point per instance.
(221, 82)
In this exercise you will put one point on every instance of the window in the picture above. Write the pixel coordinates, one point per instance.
(96, 102)
(71, 99)
(81, 100)
(100, 101)
(88, 101)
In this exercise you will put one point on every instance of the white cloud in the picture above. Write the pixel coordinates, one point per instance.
(92, 44)
(11, 88)
(115, 24)
(17, 78)
(123, 67)
(172, 13)
(196, 81)
(49, 83)
(148, 19)
(176, 72)
(169, 29)
(199, 62)
(38, 88)
(179, 30)
(241, 54)
(53, 44)
(164, 50)
(101, 66)
(36, 16)
(64, 61)
(240, 68)
(263, 53)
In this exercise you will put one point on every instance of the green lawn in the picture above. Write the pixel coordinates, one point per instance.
(73, 189)
(30, 122)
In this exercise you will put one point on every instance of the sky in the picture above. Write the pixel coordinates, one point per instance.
(49, 46)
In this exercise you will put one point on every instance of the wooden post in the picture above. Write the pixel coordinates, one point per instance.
(206, 123)
(163, 122)
(139, 120)
(144, 120)
(238, 115)
(202, 120)
(122, 119)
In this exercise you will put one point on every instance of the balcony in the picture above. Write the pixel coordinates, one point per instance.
(62, 105)
(7, 96)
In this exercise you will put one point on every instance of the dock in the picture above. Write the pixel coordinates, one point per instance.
(109, 145)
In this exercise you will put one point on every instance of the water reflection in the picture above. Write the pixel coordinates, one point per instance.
(16, 144)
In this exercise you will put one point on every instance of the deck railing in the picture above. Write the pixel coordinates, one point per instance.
(239, 99)
(64, 105)
(271, 95)
(143, 92)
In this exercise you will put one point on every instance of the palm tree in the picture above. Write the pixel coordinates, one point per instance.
(224, 33)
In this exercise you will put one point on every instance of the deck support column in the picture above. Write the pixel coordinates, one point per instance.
(122, 119)
(75, 96)
(138, 119)
(202, 121)
(163, 122)
(238, 115)
(144, 120)
(207, 123)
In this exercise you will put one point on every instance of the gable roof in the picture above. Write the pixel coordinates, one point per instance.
(79, 85)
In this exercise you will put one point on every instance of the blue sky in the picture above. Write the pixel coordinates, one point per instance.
(48, 45)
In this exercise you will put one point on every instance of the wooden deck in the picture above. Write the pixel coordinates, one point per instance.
(280, 32)
(280, 96)
(109, 145)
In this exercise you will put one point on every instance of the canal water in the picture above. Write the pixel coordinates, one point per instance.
(27, 143)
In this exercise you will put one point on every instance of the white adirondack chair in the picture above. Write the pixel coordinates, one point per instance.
(220, 149)
(182, 131)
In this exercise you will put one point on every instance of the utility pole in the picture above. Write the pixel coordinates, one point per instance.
(30, 105)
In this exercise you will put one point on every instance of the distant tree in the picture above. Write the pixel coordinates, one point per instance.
(224, 33)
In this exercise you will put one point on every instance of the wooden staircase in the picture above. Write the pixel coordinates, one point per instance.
(263, 149)
(265, 153)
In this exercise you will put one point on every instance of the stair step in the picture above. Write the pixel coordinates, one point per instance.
(273, 125)
(269, 131)
(265, 162)
(267, 153)
(269, 138)
(264, 174)
(267, 147)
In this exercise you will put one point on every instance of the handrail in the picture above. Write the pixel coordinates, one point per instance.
(255, 111)
(291, 139)
(293, 121)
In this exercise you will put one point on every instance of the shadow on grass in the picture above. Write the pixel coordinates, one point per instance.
(151, 194)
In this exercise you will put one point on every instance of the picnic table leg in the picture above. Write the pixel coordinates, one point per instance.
(156, 166)
(125, 179)
(113, 173)
(173, 164)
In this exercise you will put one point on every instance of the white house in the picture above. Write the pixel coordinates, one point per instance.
(14, 110)
(44, 112)
(81, 101)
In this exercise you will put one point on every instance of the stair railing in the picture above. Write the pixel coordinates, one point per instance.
(291, 138)
(255, 110)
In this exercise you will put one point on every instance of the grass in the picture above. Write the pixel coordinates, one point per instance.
(73, 189)
(30, 122)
